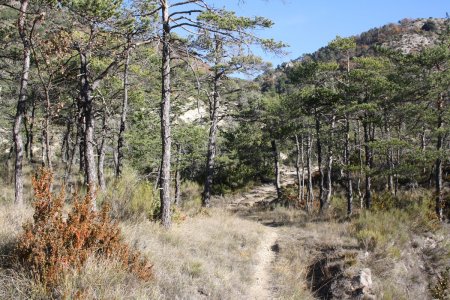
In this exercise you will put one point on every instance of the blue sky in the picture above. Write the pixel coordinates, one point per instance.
(307, 25)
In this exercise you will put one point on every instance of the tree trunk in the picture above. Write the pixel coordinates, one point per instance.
(70, 155)
(20, 111)
(214, 118)
(330, 165)
(299, 166)
(178, 177)
(31, 129)
(368, 152)
(46, 132)
(101, 155)
(390, 159)
(123, 117)
(319, 165)
(347, 164)
(81, 124)
(277, 168)
(360, 160)
(88, 112)
(165, 118)
(438, 164)
(310, 194)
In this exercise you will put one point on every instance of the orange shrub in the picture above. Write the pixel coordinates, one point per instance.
(52, 243)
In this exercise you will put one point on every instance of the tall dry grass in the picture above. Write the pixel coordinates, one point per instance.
(210, 255)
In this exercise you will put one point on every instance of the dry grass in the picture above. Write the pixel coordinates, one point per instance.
(209, 255)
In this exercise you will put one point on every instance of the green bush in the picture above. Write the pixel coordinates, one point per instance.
(130, 197)
(393, 220)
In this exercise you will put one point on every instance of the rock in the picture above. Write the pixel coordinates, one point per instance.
(365, 278)
(362, 285)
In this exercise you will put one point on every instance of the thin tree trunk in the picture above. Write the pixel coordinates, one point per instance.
(310, 194)
(214, 118)
(319, 165)
(390, 159)
(347, 165)
(358, 182)
(46, 132)
(368, 152)
(277, 168)
(70, 157)
(81, 124)
(330, 164)
(65, 147)
(178, 176)
(123, 117)
(438, 164)
(31, 129)
(27, 135)
(101, 155)
(165, 118)
(20, 111)
(88, 112)
(299, 168)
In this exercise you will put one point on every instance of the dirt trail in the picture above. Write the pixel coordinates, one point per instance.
(266, 254)
(261, 289)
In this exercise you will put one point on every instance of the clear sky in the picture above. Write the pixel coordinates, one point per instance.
(307, 25)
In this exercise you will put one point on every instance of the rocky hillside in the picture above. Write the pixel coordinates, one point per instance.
(408, 35)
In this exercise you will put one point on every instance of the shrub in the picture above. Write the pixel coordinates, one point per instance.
(130, 197)
(429, 25)
(52, 243)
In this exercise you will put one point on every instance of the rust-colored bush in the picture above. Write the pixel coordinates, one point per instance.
(53, 243)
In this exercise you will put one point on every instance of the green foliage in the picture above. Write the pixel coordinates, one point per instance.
(228, 20)
(429, 25)
(130, 197)
(393, 220)
(343, 44)
(94, 10)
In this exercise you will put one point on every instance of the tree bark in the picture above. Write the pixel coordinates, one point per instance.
(101, 155)
(20, 111)
(310, 194)
(46, 132)
(319, 165)
(277, 168)
(347, 163)
(178, 177)
(330, 164)
(360, 160)
(299, 166)
(123, 117)
(214, 118)
(88, 112)
(389, 158)
(81, 124)
(368, 152)
(438, 163)
(165, 118)
(31, 129)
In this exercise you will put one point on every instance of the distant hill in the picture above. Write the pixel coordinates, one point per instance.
(408, 35)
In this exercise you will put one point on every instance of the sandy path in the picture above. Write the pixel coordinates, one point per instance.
(265, 255)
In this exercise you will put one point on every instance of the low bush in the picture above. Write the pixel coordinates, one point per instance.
(54, 243)
(130, 197)
(394, 219)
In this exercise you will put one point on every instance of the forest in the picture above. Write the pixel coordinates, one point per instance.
(149, 153)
